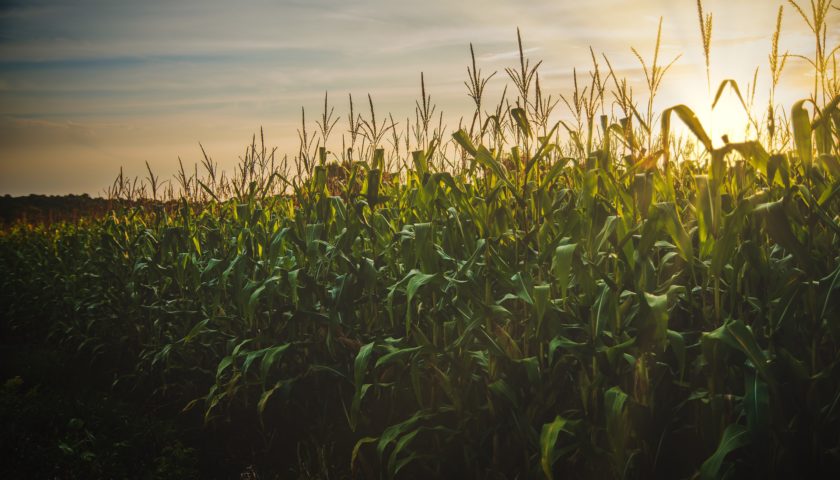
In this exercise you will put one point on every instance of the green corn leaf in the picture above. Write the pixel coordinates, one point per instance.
(503, 390)
(754, 153)
(417, 280)
(626, 136)
(554, 172)
(253, 300)
(757, 406)
(618, 426)
(831, 108)
(250, 358)
(223, 365)
(822, 126)
(397, 355)
(669, 219)
(420, 164)
(464, 141)
(486, 159)
(542, 151)
(558, 343)
(778, 226)
(292, 277)
(561, 265)
(690, 120)
(391, 433)
(378, 159)
(269, 359)
(424, 245)
(747, 343)
(734, 85)
(521, 119)
(801, 124)
(395, 466)
(359, 369)
(575, 136)
(737, 335)
(548, 440)
(707, 201)
(372, 190)
(606, 232)
(521, 289)
(778, 170)
(601, 309)
(196, 330)
(542, 294)
(734, 437)
(265, 397)
(357, 448)
(677, 342)
(319, 180)
(532, 369)
(653, 324)
(643, 192)
(831, 164)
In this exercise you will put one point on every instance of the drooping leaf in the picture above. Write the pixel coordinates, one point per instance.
(690, 120)
(265, 397)
(734, 437)
(561, 265)
(464, 141)
(734, 85)
(548, 439)
(779, 228)
(269, 359)
(737, 335)
(521, 289)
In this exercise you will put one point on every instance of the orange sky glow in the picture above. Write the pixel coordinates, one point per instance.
(91, 86)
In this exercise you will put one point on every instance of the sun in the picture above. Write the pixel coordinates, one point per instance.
(728, 118)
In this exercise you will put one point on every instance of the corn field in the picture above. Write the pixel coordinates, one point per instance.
(521, 297)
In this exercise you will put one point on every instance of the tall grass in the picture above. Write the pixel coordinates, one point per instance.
(593, 298)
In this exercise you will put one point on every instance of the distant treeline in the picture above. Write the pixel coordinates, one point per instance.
(46, 209)
(49, 208)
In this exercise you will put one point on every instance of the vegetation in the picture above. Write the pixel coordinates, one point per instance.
(593, 298)
(50, 209)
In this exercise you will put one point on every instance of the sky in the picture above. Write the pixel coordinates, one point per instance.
(89, 86)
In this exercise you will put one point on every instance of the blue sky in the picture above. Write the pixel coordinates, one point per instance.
(89, 86)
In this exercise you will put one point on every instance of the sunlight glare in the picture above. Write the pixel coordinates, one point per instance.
(728, 118)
